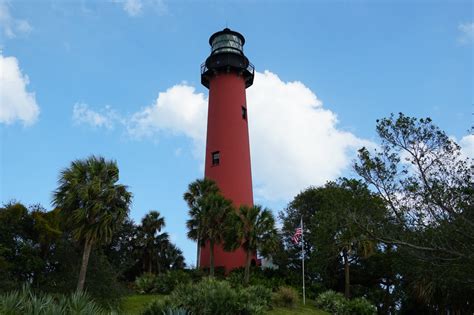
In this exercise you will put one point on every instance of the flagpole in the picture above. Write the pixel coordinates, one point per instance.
(302, 259)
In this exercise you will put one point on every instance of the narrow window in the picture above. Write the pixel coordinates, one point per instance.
(244, 113)
(216, 158)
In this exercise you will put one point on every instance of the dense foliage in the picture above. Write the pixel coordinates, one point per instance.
(27, 302)
(402, 236)
(285, 296)
(211, 296)
(335, 303)
(162, 283)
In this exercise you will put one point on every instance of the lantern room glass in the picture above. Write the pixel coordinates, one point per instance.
(227, 43)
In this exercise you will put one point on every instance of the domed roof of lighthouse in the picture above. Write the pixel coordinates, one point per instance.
(227, 41)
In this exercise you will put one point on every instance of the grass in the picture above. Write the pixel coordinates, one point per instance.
(134, 304)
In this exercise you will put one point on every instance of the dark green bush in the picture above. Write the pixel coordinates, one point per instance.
(166, 282)
(211, 296)
(207, 297)
(360, 306)
(146, 283)
(162, 283)
(336, 303)
(332, 302)
(267, 278)
(285, 296)
(255, 300)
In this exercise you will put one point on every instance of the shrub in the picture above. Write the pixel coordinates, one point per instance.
(285, 296)
(26, 302)
(255, 299)
(207, 297)
(332, 302)
(266, 278)
(211, 296)
(162, 283)
(146, 283)
(166, 282)
(360, 306)
(337, 304)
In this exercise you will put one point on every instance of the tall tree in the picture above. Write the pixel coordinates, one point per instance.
(93, 203)
(151, 226)
(197, 190)
(428, 185)
(423, 178)
(209, 222)
(337, 250)
(254, 229)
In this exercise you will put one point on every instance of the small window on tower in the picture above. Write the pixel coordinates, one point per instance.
(216, 157)
(244, 113)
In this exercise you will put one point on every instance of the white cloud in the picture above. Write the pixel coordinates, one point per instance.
(10, 25)
(295, 142)
(81, 114)
(133, 7)
(467, 32)
(467, 146)
(136, 7)
(16, 103)
(179, 111)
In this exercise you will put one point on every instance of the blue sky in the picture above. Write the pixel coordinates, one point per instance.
(121, 79)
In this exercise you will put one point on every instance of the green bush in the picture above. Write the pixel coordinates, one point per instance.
(207, 297)
(162, 283)
(360, 306)
(166, 282)
(266, 278)
(211, 296)
(336, 303)
(332, 302)
(285, 296)
(146, 283)
(26, 302)
(255, 300)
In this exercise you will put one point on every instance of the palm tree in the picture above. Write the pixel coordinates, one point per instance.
(197, 190)
(93, 203)
(152, 223)
(214, 211)
(253, 228)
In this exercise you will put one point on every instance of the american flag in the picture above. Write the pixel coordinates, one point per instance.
(297, 236)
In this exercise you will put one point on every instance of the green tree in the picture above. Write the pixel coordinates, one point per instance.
(171, 257)
(215, 210)
(421, 175)
(254, 229)
(93, 203)
(197, 191)
(337, 250)
(428, 187)
(153, 241)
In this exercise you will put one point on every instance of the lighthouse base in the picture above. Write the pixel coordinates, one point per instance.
(225, 260)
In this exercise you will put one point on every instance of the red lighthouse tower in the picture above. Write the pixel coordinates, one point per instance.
(227, 73)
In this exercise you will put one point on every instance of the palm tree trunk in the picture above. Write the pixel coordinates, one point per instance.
(211, 245)
(247, 268)
(198, 258)
(149, 263)
(347, 283)
(85, 260)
